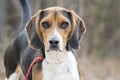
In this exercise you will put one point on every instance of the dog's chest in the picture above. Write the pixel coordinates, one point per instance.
(64, 70)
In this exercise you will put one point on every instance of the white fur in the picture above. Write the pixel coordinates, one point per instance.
(60, 66)
(14, 76)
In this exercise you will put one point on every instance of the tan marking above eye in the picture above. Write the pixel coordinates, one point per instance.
(55, 21)
(62, 21)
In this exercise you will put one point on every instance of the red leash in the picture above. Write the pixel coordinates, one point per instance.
(31, 65)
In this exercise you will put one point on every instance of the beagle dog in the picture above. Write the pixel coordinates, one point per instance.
(52, 33)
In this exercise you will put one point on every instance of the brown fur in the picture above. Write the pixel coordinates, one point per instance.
(54, 21)
(54, 17)
(24, 47)
(36, 72)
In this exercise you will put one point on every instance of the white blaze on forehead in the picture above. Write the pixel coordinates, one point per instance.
(60, 39)
(56, 33)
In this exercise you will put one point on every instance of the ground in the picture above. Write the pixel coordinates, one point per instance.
(90, 69)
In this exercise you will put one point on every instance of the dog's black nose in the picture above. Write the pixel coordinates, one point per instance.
(54, 43)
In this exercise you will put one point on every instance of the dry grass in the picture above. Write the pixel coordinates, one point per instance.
(2, 70)
(91, 69)
(94, 69)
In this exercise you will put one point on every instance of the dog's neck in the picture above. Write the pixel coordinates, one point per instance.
(56, 57)
(58, 65)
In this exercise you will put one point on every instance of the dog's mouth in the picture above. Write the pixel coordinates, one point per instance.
(54, 48)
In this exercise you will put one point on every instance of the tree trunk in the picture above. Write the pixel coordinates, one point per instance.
(59, 3)
(43, 4)
(2, 17)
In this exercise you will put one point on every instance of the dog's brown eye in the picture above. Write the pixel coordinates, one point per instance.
(45, 25)
(64, 25)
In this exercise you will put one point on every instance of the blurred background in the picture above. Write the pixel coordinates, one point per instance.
(99, 57)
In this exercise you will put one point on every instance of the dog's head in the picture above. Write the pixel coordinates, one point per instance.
(55, 28)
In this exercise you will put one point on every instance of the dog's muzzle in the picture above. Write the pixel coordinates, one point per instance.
(54, 43)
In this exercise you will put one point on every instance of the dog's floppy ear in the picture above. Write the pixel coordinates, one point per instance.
(78, 31)
(34, 40)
